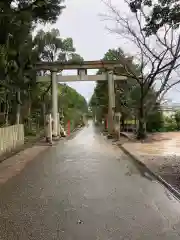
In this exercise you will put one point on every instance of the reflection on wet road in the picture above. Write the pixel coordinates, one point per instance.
(85, 188)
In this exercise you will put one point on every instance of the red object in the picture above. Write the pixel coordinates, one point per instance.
(69, 128)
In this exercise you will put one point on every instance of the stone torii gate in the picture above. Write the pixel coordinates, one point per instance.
(55, 67)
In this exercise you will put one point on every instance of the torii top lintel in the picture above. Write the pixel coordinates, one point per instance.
(59, 66)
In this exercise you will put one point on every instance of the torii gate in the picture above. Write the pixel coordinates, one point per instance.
(55, 67)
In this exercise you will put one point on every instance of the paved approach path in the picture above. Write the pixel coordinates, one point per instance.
(86, 189)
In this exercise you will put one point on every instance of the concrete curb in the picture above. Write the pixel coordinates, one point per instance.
(149, 171)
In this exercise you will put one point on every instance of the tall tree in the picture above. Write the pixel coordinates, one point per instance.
(100, 96)
(17, 20)
(52, 47)
(160, 13)
(127, 95)
(157, 57)
(19, 52)
(177, 119)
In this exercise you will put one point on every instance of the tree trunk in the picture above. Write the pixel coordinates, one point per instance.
(29, 115)
(44, 113)
(18, 108)
(141, 133)
(6, 114)
(123, 124)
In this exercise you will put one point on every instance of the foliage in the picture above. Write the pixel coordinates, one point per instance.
(127, 96)
(155, 120)
(169, 124)
(17, 20)
(100, 98)
(52, 47)
(177, 119)
(160, 13)
(20, 94)
(157, 57)
(71, 104)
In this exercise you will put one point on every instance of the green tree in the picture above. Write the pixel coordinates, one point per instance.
(159, 13)
(128, 96)
(177, 119)
(17, 21)
(19, 52)
(100, 96)
(157, 58)
(52, 47)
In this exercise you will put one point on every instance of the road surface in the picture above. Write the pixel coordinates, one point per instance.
(86, 189)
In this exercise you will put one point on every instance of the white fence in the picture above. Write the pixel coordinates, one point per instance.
(11, 138)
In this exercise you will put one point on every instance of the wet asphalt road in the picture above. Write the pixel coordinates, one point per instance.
(86, 189)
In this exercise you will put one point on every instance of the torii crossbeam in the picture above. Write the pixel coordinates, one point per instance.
(77, 78)
(73, 65)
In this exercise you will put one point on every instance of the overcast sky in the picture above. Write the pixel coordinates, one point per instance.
(81, 20)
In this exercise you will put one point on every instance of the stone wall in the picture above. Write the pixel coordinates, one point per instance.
(11, 137)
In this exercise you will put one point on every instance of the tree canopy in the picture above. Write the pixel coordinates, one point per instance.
(156, 53)
(128, 96)
(21, 97)
(160, 13)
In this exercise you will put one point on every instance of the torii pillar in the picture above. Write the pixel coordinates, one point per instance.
(111, 103)
(54, 103)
